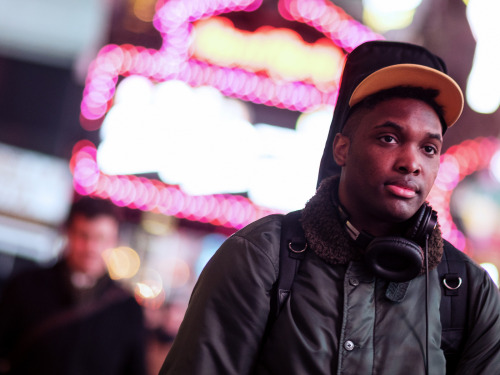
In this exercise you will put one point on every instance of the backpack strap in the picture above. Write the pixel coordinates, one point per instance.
(453, 277)
(292, 250)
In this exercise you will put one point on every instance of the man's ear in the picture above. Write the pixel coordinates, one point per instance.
(341, 145)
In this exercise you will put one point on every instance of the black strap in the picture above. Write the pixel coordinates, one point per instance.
(453, 278)
(292, 250)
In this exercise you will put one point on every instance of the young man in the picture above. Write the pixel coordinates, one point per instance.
(72, 318)
(367, 297)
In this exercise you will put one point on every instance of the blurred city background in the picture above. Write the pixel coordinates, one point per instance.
(200, 116)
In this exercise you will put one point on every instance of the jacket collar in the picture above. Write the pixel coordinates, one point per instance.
(328, 238)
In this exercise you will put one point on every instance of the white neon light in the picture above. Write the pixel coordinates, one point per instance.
(202, 141)
(495, 166)
(384, 15)
(482, 92)
(492, 271)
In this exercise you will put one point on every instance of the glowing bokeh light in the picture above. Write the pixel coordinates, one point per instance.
(482, 92)
(150, 284)
(328, 19)
(384, 15)
(212, 150)
(234, 211)
(226, 210)
(268, 49)
(495, 166)
(458, 162)
(122, 262)
(478, 212)
(175, 20)
(492, 271)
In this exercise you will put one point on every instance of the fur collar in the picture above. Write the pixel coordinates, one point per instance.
(329, 240)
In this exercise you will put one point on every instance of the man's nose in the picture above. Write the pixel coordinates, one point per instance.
(408, 161)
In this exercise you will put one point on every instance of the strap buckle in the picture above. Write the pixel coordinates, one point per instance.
(290, 246)
(452, 281)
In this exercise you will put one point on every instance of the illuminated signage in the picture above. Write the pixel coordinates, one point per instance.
(457, 163)
(175, 20)
(188, 28)
(190, 55)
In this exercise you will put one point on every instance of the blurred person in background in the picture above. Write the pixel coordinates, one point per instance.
(72, 318)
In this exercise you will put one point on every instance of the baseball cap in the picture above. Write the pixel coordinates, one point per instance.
(450, 96)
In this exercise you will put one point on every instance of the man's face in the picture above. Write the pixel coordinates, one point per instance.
(389, 164)
(87, 239)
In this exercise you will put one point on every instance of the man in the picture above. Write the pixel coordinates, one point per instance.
(367, 295)
(72, 318)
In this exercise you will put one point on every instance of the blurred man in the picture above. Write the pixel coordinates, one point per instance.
(72, 318)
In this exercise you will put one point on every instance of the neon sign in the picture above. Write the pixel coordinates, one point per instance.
(458, 162)
(177, 21)
(231, 211)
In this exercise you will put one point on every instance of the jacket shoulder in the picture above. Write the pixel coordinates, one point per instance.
(264, 235)
(266, 223)
(263, 231)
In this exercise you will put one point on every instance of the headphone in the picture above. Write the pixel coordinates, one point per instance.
(395, 258)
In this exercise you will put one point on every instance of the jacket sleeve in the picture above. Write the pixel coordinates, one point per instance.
(228, 310)
(481, 354)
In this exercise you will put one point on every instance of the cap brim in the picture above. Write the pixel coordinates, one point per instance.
(450, 95)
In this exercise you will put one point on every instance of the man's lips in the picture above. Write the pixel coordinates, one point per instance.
(402, 189)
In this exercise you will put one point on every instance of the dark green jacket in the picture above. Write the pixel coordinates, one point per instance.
(338, 319)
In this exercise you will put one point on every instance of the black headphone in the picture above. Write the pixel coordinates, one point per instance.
(395, 258)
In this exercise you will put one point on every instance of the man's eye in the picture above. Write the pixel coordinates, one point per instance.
(430, 150)
(388, 139)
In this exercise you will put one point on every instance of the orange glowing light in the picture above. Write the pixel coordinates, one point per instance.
(268, 49)
(122, 262)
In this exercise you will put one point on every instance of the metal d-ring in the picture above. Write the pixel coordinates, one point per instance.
(296, 251)
(450, 287)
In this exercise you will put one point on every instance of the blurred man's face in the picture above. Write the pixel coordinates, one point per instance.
(87, 239)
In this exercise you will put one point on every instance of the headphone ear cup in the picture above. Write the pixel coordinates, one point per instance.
(424, 222)
(394, 258)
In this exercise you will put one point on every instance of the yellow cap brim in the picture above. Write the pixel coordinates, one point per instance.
(450, 95)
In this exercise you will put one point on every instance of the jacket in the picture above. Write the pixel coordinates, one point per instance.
(339, 318)
(47, 327)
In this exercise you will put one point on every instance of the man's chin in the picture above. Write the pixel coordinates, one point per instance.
(403, 212)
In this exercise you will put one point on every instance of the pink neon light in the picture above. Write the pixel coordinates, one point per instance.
(235, 211)
(174, 20)
(151, 195)
(457, 163)
(328, 19)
